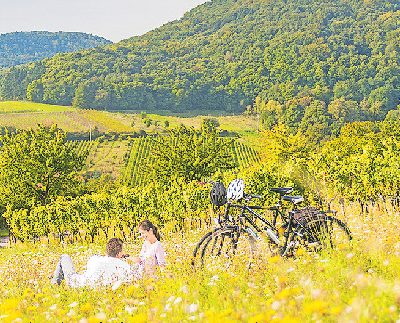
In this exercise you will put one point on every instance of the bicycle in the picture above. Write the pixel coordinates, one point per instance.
(315, 230)
(229, 223)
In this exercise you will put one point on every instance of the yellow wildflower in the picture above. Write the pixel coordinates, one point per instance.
(11, 317)
(31, 308)
(283, 294)
(336, 310)
(273, 260)
(9, 305)
(257, 319)
(225, 313)
(316, 306)
(286, 320)
(87, 308)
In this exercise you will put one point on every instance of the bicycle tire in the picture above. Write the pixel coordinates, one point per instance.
(321, 231)
(339, 235)
(199, 245)
(228, 248)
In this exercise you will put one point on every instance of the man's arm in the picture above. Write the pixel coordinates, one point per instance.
(135, 260)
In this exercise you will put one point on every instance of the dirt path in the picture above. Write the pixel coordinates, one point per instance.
(4, 241)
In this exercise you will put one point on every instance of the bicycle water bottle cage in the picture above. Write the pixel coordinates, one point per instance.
(235, 189)
(294, 199)
(282, 190)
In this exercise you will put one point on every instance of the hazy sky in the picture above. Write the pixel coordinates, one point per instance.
(111, 19)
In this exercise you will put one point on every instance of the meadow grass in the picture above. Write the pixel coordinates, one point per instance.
(360, 283)
(21, 107)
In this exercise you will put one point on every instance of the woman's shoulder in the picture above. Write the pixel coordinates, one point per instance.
(157, 245)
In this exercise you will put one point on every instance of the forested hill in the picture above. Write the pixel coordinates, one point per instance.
(23, 47)
(309, 63)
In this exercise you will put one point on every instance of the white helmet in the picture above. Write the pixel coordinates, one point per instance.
(235, 189)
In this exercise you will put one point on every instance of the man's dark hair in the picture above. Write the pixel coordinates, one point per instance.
(113, 247)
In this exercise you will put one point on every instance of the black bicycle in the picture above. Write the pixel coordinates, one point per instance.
(233, 243)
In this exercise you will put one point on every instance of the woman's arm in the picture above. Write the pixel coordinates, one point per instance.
(160, 256)
(136, 260)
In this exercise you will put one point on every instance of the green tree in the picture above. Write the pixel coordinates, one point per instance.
(211, 121)
(36, 166)
(284, 148)
(190, 154)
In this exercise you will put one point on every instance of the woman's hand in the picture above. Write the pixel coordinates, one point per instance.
(136, 260)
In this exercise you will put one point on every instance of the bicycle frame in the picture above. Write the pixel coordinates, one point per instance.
(250, 208)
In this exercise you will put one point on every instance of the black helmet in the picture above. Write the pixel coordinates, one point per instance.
(218, 194)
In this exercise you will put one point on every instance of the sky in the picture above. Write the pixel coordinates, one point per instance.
(112, 19)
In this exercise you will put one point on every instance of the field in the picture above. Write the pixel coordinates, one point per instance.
(244, 126)
(22, 107)
(21, 115)
(360, 283)
(139, 156)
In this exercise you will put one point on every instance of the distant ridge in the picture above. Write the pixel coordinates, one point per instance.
(313, 64)
(23, 47)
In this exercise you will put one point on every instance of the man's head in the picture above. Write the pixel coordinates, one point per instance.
(114, 247)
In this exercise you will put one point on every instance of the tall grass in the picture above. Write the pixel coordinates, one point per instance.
(360, 283)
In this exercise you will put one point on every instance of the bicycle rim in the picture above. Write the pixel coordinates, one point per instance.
(334, 234)
(320, 232)
(227, 250)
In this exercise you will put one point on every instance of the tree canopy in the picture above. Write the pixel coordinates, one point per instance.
(36, 166)
(189, 154)
(23, 47)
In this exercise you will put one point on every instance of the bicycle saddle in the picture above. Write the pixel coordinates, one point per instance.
(294, 199)
(282, 190)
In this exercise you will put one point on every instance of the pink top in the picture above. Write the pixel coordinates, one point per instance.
(152, 255)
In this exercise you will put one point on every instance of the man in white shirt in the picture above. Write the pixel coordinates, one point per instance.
(100, 270)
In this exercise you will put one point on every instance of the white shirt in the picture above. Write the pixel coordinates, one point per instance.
(100, 270)
(152, 255)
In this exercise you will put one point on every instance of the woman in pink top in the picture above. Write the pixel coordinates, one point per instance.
(152, 254)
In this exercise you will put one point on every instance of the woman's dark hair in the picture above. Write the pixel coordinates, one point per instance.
(147, 225)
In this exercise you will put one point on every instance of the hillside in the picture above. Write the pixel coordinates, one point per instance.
(23, 47)
(313, 65)
(78, 122)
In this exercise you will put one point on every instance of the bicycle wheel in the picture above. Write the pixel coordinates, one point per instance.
(334, 234)
(319, 232)
(198, 247)
(229, 249)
